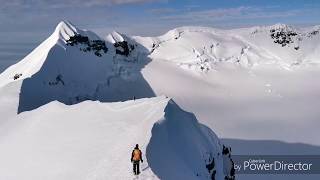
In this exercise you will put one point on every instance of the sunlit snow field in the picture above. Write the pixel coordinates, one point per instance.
(265, 112)
(248, 104)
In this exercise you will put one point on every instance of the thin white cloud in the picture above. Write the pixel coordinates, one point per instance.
(241, 12)
(45, 4)
(162, 11)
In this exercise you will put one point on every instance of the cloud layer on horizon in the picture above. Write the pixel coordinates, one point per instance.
(133, 16)
(5, 4)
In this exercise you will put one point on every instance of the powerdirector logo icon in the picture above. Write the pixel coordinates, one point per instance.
(276, 164)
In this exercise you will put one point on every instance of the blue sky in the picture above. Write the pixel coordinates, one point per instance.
(37, 18)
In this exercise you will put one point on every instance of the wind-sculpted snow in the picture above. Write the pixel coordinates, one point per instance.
(179, 141)
(93, 141)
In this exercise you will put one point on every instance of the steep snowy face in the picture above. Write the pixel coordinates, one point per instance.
(73, 65)
(180, 140)
(202, 48)
(33, 62)
(126, 46)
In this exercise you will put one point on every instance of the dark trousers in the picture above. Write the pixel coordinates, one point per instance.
(136, 168)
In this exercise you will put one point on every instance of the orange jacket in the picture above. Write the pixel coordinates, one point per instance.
(136, 155)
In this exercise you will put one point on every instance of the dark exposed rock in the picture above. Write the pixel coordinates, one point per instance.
(77, 38)
(314, 33)
(211, 169)
(131, 47)
(282, 36)
(97, 46)
(17, 76)
(122, 48)
(57, 80)
(226, 151)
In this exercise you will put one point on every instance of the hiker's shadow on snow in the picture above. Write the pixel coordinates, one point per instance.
(144, 169)
(70, 76)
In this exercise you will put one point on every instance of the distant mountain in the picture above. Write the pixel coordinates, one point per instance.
(74, 65)
(202, 48)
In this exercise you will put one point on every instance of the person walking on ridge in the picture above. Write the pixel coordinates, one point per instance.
(136, 157)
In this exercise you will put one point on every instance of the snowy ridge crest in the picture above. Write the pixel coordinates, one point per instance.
(202, 49)
(65, 30)
(114, 37)
(195, 148)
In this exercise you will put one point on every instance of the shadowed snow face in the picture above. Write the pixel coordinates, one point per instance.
(179, 141)
(84, 67)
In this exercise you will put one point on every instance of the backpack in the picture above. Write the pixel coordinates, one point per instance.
(136, 155)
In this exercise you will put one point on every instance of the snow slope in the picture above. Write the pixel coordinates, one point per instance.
(34, 61)
(93, 140)
(261, 104)
(201, 48)
(74, 65)
(251, 83)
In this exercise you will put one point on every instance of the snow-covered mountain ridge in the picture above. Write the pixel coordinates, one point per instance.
(68, 38)
(198, 48)
(91, 139)
(73, 65)
(203, 48)
(89, 75)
